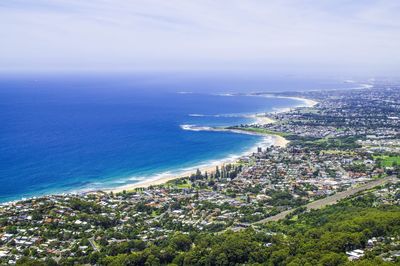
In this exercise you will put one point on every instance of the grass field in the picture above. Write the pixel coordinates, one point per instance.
(180, 183)
(388, 160)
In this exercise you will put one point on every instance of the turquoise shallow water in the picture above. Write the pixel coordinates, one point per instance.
(61, 135)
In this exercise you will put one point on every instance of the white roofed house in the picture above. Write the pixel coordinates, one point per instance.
(355, 254)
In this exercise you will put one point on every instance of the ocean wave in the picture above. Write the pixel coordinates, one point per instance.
(120, 181)
(224, 94)
(223, 115)
(197, 115)
(196, 128)
(137, 178)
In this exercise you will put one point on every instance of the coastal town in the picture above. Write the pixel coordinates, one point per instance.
(349, 139)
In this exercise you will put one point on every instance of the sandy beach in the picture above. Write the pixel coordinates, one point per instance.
(272, 140)
(165, 179)
(260, 119)
(307, 102)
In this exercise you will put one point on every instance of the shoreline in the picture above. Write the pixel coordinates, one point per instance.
(154, 180)
(260, 119)
(205, 167)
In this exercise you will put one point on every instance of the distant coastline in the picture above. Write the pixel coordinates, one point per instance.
(260, 119)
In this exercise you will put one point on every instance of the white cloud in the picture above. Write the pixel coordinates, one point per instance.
(255, 34)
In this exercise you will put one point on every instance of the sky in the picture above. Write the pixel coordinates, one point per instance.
(314, 36)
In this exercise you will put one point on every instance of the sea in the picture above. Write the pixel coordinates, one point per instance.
(65, 133)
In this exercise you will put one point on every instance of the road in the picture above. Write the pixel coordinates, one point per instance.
(93, 244)
(318, 204)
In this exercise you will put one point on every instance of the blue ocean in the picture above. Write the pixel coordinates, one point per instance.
(70, 133)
